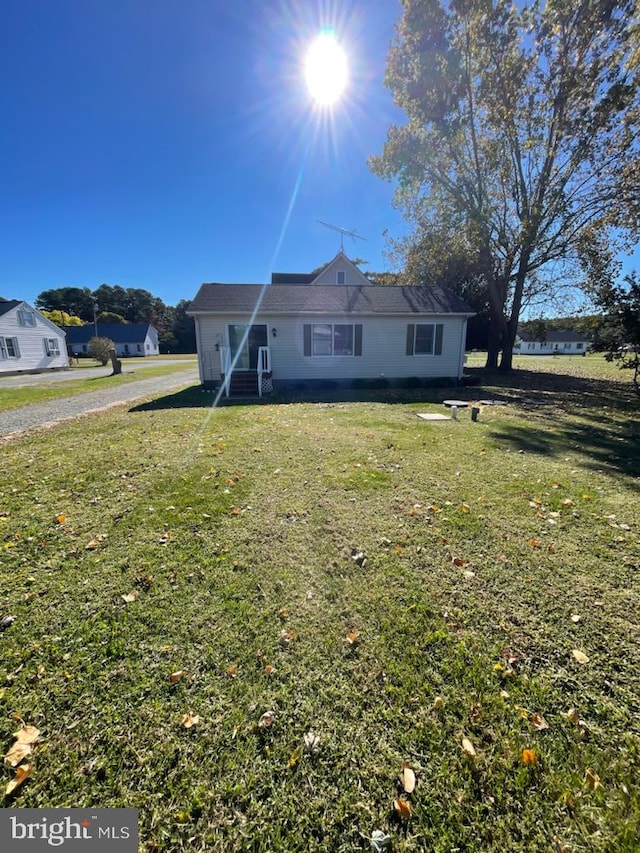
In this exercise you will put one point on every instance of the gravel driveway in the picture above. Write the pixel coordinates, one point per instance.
(45, 414)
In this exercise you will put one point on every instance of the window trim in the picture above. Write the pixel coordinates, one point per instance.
(356, 340)
(27, 318)
(412, 333)
(341, 274)
(4, 348)
(52, 347)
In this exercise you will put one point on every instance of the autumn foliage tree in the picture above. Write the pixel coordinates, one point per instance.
(519, 140)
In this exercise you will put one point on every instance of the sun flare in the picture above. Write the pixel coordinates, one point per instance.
(325, 69)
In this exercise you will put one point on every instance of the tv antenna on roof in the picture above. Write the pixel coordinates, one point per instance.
(342, 232)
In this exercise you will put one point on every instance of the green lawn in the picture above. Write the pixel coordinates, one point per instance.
(392, 585)
(53, 389)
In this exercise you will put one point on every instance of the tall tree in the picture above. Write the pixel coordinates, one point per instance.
(520, 137)
(78, 301)
(617, 331)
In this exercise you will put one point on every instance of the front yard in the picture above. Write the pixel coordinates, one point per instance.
(252, 622)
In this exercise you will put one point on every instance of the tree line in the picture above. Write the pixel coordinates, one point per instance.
(116, 304)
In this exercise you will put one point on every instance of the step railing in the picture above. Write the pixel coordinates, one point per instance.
(225, 368)
(263, 366)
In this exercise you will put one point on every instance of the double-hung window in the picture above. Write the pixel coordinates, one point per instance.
(9, 348)
(332, 339)
(52, 346)
(26, 317)
(424, 339)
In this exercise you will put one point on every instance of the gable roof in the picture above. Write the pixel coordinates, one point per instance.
(9, 305)
(326, 299)
(119, 333)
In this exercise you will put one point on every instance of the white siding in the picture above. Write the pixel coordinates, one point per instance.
(383, 348)
(352, 273)
(31, 343)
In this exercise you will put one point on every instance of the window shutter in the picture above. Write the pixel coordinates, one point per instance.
(16, 347)
(411, 331)
(357, 350)
(307, 339)
(438, 347)
(46, 346)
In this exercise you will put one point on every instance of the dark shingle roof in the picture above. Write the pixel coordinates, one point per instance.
(293, 277)
(326, 299)
(8, 305)
(556, 337)
(119, 333)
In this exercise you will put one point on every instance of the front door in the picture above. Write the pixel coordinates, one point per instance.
(245, 341)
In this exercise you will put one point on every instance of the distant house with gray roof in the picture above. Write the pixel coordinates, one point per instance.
(132, 340)
(554, 342)
(307, 330)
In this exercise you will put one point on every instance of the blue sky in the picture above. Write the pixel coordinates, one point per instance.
(163, 143)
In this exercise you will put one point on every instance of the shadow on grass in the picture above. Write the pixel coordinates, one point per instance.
(608, 442)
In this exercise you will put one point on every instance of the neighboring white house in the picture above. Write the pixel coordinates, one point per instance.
(306, 330)
(29, 343)
(130, 339)
(555, 343)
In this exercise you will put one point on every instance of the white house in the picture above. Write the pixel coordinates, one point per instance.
(332, 328)
(561, 342)
(131, 340)
(29, 343)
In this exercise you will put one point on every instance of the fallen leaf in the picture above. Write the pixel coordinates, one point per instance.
(177, 676)
(535, 543)
(269, 669)
(296, 755)
(529, 757)
(27, 734)
(286, 637)
(402, 808)
(408, 779)
(95, 542)
(538, 722)
(379, 841)
(311, 742)
(580, 656)
(283, 613)
(468, 748)
(458, 561)
(352, 638)
(232, 671)
(468, 575)
(61, 518)
(438, 703)
(266, 720)
(129, 597)
(465, 508)
(22, 773)
(17, 752)
(591, 780)
(189, 720)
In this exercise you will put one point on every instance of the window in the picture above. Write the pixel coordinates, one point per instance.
(340, 277)
(567, 346)
(332, 339)
(26, 317)
(9, 348)
(579, 346)
(52, 346)
(531, 346)
(424, 339)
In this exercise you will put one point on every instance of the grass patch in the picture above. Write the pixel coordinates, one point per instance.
(54, 389)
(457, 552)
